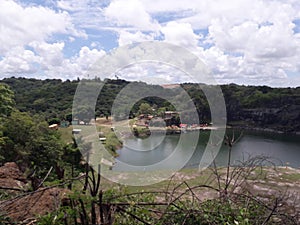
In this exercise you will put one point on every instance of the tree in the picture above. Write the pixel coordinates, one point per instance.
(54, 121)
(161, 112)
(6, 100)
(31, 144)
(6, 107)
(69, 117)
(145, 108)
(84, 113)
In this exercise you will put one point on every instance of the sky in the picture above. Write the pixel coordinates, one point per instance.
(250, 42)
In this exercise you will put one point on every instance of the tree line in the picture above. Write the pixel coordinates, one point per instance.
(254, 106)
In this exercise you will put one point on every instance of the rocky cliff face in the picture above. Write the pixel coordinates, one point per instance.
(263, 107)
(11, 176)
(284, 119)
(21, 205)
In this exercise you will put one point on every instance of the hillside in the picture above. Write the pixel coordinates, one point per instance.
(247, 106)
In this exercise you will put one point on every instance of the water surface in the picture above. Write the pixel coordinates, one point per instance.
(169, 152)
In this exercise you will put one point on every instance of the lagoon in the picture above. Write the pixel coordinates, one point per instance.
(154, 151)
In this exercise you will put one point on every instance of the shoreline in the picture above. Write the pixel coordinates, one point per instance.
(144, 132)
(261, 129)
(197, 170)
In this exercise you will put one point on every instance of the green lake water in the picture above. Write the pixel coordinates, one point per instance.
(168, 152)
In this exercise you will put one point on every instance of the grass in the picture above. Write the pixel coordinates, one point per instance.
(291, 177)
(192, 177)
(66, 134)
(104, 129)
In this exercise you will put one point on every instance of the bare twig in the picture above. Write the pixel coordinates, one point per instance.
(133, 215)
(45, 177)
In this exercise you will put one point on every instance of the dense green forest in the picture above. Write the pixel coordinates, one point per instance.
(247, 106)
(26, 140)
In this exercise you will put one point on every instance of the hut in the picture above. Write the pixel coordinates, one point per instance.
(54, 126)
(76, 131)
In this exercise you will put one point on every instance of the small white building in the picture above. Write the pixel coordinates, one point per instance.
(76, 131)
(54, 126)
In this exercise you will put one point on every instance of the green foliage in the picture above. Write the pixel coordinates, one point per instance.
(145, 108)
(54, 121)
(112, 142)
(63, 215)
(50, 98)
(256, 105)
(68, 117)
(141, 132)
(217, 211)
(30, 143)
(71, 159)
(6, 100)
(66, 134)
(51, 219)
(161, 112)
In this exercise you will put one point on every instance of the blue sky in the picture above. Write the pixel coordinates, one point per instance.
(241, 41)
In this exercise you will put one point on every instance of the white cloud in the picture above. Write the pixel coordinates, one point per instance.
(202, 12)
(130, 13)
(88, 57)
(126, 37)
(180, 34)
(19, 61)
(77, 66)
(85, 13)
(24, 34)
(94, 44)
(168, 5)
(21, 25)
(72, 5)
(258, 46)
(49, 62)
(51, 54)
(154, 73)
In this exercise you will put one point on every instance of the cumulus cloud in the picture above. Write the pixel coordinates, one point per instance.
(168, 5)
(25, 35)
(180, 34)
(264, 45)
(130, 13)
(153, 73)
(88, 57)
(77, 66)
(22, 25)
(245, 40)
(50, 54)
(126, 37)
(19, 60)
(241, 41)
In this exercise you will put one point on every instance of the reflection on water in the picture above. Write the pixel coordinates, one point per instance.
(283, 149)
